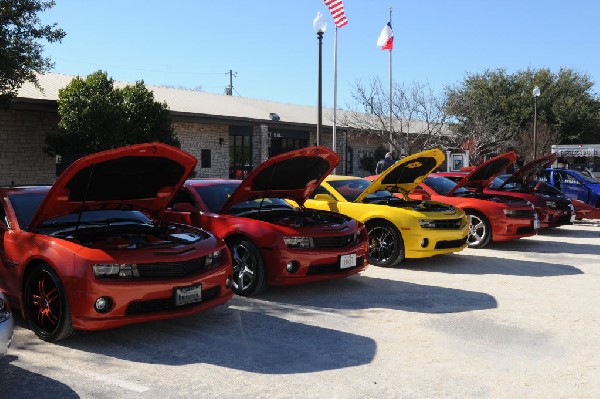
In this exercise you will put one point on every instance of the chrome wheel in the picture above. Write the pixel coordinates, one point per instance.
(249, 275)
(479, 230)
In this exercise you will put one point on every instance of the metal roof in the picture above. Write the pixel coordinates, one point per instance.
(189, 101)
(194, 103)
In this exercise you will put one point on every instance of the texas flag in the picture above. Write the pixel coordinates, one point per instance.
(386, 37)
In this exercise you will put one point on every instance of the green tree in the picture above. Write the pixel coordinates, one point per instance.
(96, 116)
(494, 111)
(20, 49)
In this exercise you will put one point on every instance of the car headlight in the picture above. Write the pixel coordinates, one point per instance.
(427, 223)
(107, 270)
(213, 258)
(4, 310)
(551, 204)
(513, 213)
(298, 242)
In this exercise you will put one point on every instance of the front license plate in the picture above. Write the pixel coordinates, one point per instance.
(536, 224)
(185, 295)
(347, 261)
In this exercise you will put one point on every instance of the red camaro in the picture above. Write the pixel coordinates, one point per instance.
(91, 252)
(553, 209)
(491, 217)
(272, 242)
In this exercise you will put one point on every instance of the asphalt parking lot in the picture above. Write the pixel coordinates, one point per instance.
(513, 320)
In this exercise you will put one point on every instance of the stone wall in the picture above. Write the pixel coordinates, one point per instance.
(22, 142)
(195, 137)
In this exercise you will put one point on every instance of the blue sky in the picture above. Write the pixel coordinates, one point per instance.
(272, 47)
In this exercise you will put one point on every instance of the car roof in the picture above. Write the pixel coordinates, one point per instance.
(25, 189)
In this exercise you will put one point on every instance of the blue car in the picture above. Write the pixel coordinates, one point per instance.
(574, 184)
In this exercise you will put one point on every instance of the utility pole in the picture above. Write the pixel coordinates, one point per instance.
(229, 89)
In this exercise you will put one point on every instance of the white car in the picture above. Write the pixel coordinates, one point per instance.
(6, 325)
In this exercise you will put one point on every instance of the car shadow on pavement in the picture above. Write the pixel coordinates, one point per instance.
(531, 245)
(572, 232)
(473, 264)
(18, 383)
(365, 292)
(232, 338)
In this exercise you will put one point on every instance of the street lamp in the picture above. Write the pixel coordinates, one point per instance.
(536, 94)
(319, 24)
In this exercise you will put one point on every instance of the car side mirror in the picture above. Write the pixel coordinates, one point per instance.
(325, 197)
(184, 207)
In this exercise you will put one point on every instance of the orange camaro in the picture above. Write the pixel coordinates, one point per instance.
(93, 252)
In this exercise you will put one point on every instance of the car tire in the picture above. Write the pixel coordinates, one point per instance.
(386, 246)
(249, 273)
(480, 230)
(46, 305)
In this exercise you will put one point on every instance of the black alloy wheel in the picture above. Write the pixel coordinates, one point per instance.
(386, 246)
(46, 305)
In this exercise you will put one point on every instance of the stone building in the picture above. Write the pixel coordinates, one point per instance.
(228, 135)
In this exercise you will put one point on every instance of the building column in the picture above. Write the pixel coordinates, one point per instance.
(260, 144)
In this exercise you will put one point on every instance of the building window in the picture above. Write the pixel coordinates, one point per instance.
(205, 159)
(281, 141)
(240, 151)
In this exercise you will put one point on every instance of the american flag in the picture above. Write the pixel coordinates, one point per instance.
(337, 12)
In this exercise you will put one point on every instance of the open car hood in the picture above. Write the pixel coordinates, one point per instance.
(293, 175)
(141, 176)
(530, 171)
(404, 176)
(482, 175)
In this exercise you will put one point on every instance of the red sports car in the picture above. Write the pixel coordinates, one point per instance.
(272, 242)
(491, 217)
(553, 209)
(92, 252)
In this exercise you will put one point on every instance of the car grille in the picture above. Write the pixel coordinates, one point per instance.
(167, 304)
(522, 213)
(334, 241)
(171, 269)
(525, 230)
(451, 243)
(447, 224)
(562, 205)
(332, 268)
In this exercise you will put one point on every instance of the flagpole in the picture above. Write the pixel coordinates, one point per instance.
(334, 92)
(391, 128)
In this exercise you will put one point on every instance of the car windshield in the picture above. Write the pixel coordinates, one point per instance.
(25, 206)
(513, 186)
(442, 185)
(581, 176)
(350, 189)
(215, 196)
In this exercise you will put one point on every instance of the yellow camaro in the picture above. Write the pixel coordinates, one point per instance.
(398, 227)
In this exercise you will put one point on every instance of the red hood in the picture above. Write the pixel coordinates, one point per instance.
(483, 174)
(141, 176)
(293, 175)
(529, 171)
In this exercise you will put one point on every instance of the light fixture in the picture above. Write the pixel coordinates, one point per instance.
(274, 116)
(536, 93)
(320, 25)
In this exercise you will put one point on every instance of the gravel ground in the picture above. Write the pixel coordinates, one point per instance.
(513, 320)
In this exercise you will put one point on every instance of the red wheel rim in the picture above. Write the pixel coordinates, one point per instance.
(45, 303)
